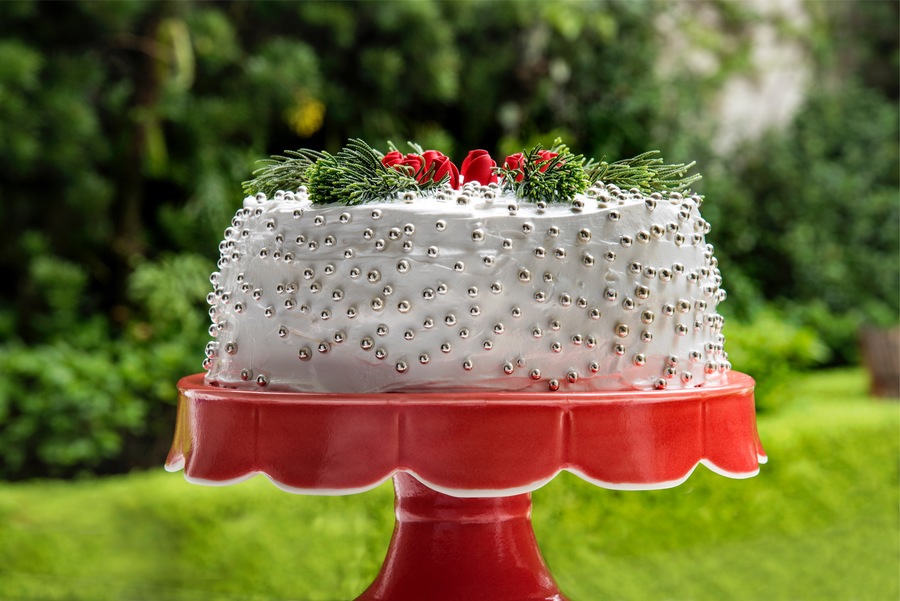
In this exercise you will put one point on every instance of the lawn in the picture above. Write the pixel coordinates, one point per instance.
(820, 522)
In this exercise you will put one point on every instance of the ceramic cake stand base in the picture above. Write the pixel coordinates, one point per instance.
(464, 464)
(451, 549)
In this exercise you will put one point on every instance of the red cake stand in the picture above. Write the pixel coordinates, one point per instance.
(463, 464)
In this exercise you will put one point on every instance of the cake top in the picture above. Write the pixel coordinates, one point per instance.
(359, 174)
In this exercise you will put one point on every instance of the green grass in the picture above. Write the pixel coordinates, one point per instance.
(820, 522)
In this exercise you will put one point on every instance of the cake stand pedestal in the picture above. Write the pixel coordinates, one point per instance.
(463, 464)
(448, 548)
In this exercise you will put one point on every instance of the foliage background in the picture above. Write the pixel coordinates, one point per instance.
(127, 127)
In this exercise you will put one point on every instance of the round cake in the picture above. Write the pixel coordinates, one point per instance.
(467, 283)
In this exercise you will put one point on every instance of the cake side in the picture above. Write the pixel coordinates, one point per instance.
(470, 289)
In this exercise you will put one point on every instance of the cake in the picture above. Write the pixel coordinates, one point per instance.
(399, 273)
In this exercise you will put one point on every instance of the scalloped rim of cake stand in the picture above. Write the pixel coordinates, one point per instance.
(202, 406)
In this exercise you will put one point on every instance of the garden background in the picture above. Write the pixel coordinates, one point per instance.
(126, 129)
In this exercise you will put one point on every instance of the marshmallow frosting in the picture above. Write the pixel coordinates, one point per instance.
(470, 289)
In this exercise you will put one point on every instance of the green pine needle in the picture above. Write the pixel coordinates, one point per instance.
(282, 172)
(646, 172)
(556, 180)
(355, 175)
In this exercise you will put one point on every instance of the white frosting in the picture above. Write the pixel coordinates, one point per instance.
(614, 291)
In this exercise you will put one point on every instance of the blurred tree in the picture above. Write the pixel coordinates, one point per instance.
(126, 129)
(810, 214)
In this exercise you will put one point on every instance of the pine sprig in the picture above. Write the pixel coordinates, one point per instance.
(355, 175)
(282, 172)
(647, 172)
(557, 179)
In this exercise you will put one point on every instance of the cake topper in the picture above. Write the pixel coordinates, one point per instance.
(359, 174)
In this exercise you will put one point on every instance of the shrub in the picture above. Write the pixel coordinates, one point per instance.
(772, 349)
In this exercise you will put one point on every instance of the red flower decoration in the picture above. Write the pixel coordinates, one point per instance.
(479, 166)
(545, 156)
(517, 162)
(413, 164)
(392, 158)
(444, 167)
(396, 160)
